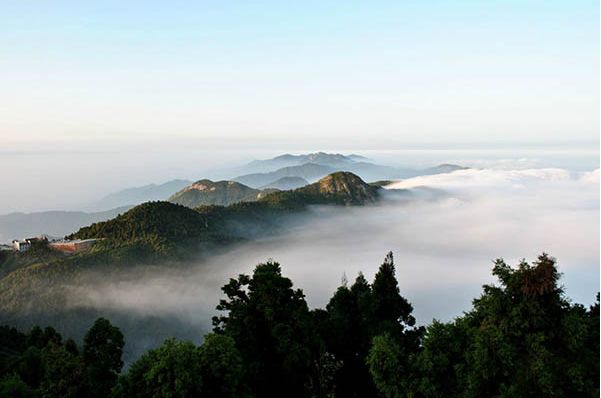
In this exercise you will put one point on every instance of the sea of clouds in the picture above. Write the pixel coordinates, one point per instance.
(445, 232)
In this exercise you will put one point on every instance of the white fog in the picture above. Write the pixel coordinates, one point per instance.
(444, 239)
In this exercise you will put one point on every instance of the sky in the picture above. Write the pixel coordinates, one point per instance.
(89, 75)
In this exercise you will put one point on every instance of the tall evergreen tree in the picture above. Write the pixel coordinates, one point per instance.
(102, 351)
(396, 341)
(391, 311)
(358, 314)
(348, 336)
(270, 323)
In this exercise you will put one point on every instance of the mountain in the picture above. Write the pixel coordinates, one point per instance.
(314, 171)
(52, 223)
(312, 166)
(154, 230)
(151, 220)
(286, 183)
(342, 187)
(321, 164)
(443, 168)
(164, 225)
(165, 228)
(59, 223)
(307, 171)
(136, 195)
(334, 160)
(207, 192)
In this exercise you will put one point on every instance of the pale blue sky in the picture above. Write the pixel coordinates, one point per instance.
(367, 75)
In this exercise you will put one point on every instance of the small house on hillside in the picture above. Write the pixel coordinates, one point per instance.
(21, 245)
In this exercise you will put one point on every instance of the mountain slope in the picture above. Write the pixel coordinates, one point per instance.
(340, 188)
(171, 222)
(207, 192)
(287, 183)
(308, 171)
(174, 223)
(161, 225)
(314, 170)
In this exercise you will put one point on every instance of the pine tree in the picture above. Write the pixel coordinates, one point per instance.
(391, 311)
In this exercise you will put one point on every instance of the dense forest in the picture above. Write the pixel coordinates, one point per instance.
(522, 338)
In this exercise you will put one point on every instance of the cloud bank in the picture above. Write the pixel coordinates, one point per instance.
(444, 238)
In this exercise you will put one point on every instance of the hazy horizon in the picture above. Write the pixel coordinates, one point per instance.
(73, 180)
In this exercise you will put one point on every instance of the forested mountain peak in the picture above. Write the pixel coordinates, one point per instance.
(348, 186)
(208, 185)
(207, 192)
(339, 188)
(162, 219)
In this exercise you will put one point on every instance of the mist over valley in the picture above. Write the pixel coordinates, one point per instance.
(444, 229)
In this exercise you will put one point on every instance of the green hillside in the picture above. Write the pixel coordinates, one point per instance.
(151, 219)
(156, 230)
(340, 188)
(164, 232)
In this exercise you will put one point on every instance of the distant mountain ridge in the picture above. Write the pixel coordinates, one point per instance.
(443, 168)
(252, 187)
(287, 160)
(286, 183)
(282, 172)
(307, 171)
(314, 170)
(137, 195)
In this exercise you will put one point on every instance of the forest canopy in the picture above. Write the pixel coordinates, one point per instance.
(522, 338)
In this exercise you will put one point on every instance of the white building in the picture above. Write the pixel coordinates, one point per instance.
(21, 245)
